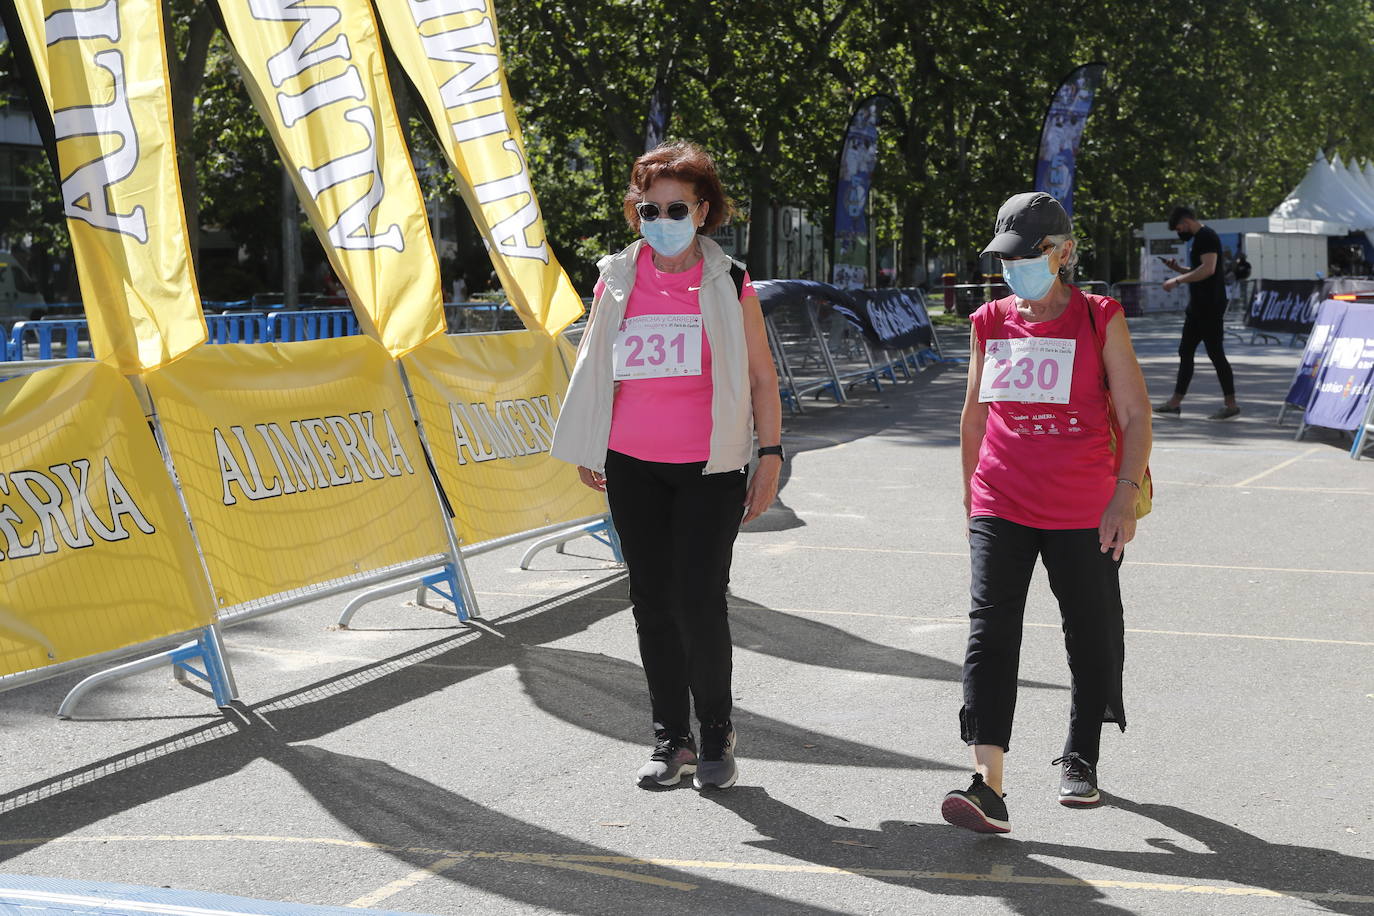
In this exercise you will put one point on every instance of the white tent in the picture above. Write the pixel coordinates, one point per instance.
(1368, 172)
(1358, 180)
(1323, 195)
(1359, 194)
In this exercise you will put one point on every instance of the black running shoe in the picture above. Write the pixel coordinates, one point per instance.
(674, 756)
(1078, 784)
(977, 808)
(716, 769)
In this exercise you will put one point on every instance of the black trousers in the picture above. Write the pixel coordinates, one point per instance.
(677, 531)
(1205, 329)
(1085, 581)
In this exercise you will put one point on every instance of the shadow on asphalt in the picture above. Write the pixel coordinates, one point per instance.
(1232, 856)
(413, 817)
(800, 639)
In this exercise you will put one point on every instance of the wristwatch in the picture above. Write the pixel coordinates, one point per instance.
(772, 450)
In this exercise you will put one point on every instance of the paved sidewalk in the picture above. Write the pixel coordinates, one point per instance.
(410, 764)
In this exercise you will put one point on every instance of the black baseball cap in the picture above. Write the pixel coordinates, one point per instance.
(1024, 221)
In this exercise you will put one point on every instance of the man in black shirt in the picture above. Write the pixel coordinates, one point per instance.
(1203, 321)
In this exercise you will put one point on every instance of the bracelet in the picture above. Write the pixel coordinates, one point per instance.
(1129, 481)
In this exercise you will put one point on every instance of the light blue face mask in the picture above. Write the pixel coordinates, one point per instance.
(668, 237)
(1029, 278)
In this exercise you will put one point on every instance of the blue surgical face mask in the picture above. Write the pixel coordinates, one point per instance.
(668, 237)
(1029, 278)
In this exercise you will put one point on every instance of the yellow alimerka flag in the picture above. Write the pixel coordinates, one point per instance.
(489, 404)
(317, 77)
(95, 552)
(104, 72)
(299, 462)
(450, 51)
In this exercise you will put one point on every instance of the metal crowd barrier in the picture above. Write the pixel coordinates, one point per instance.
(68, 338)
(314, 324)
(41, 339)
(480, 317)
(240, 327)
(817, 351)
(197, 653)
(203, 656)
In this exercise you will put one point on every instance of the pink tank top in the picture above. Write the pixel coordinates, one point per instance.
(665, 419)
(1046, 465)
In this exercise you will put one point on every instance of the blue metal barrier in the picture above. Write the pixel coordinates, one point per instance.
(312, 324)
(43, 334)
(238, 327)
(66, 338)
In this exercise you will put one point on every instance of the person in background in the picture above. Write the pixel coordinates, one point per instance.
(1053, 467)
(1204, 321)
(673, 379)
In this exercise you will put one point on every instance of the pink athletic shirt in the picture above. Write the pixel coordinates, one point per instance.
(1048, 465)
(665, 419)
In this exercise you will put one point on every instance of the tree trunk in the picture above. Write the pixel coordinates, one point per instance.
(187, 74)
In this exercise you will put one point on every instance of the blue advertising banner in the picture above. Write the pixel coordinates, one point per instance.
(1318, 346)
(858, 158)
(1063, 131)
(1284, 306)
(1346, 377)
(656, 122)
(893, 319)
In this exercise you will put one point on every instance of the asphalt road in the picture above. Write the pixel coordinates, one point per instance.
(413, 764)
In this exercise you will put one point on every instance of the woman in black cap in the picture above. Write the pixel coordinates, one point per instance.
(1053, 468)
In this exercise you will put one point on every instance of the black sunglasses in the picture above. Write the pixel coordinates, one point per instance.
(677, 210)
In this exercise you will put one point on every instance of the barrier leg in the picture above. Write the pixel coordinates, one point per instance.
(1362, 434)
(899, 359)
(601, 530)
(207, 648)
(836, 385)
(788, 389)
(381, 591)
(445, 583)
(874, 372)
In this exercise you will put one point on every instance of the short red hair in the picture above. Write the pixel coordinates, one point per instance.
(688, 163)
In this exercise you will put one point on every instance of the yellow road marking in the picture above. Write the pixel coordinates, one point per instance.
(957, 619)
(1055, 626)
(1349, 491)
(1278, 467)
(906, 551)
(406, 883)
(598, 865)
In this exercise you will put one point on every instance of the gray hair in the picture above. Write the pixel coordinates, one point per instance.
(1066, 270)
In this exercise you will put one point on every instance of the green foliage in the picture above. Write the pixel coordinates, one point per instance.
(1218, 104)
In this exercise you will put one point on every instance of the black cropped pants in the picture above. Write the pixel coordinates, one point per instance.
(1085, 581)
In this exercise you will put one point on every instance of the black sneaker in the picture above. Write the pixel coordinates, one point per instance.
(1078, 784)
(716, 769)
(977, 808)
(1164, 408)
(674, 756)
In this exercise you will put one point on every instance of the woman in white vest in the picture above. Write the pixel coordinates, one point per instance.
(673, 378)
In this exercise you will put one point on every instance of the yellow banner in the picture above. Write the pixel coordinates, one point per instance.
(318, 79)
(299, 462)
(450, 51)
(489, 404)
(104, 72)
(95, 553)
